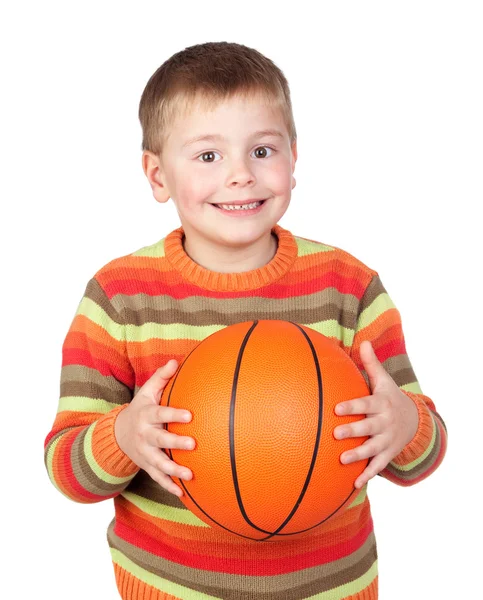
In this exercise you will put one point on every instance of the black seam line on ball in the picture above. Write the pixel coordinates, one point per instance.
(317, 438)
(231, 431)
(313, 526)
(180, 481)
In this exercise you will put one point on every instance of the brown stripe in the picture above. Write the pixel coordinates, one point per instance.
(195, 310)
(91, 390)
(373, 290)
(422, 467)
(242, 587)
(400, 369)
(97, 295)
(143, 485)
(83, 473)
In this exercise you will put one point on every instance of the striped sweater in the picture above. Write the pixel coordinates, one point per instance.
(156, 304)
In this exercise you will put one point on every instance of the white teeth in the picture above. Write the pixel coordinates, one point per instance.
(240, 207)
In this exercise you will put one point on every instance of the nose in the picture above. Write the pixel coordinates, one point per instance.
(240, 173)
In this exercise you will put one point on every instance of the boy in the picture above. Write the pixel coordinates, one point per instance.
(219, 140)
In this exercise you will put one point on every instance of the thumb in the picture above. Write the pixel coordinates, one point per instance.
(154, 386)
(375, 371)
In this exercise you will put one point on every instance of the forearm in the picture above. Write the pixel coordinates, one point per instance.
(425, 452)
(85, 463)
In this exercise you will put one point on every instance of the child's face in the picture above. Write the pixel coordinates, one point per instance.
(241, 165)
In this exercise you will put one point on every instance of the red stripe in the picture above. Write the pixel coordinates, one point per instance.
(130, 287)
(77, 356)
(65, 464)
(390, 476)
(247, 567)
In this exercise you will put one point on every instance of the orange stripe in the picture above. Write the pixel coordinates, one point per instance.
(149, 269)
(204, 541)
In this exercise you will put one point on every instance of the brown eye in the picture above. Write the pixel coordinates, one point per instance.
(206, 154)
(261, 152)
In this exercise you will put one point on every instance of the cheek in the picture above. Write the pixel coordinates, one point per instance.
(194, 189)
(279, 178)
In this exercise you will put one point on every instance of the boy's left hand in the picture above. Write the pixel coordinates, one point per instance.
(391, 419)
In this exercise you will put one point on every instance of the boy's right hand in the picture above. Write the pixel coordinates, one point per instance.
(140, 434)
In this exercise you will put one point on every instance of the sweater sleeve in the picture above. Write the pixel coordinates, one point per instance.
(379, 322)
(82, 457)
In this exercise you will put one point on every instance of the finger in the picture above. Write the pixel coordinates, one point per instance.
(158, 380)
(165, 439)
(370, 447)
(372, 366)
(165, 465)
(167, 414)
(359, 406)
(365, 427)
(377, 464)
(165, 481)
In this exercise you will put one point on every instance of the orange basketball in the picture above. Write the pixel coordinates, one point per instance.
(262, 394)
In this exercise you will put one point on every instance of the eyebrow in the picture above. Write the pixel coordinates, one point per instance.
(214, 138)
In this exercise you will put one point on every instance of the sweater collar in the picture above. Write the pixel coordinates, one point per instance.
(246, 280)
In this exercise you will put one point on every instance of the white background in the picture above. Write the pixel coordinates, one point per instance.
(388, 104)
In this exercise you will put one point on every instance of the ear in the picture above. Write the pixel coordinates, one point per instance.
(294, 160)
(153, 170)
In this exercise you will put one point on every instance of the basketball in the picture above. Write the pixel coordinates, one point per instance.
(262, 394)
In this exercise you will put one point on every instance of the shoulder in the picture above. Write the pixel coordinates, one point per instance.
(320, 253)
(129, 273)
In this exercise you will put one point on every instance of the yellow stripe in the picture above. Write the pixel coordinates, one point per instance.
(360, 498)
(84, 404)
(93, 464)
(159, 583)
(181, 331)
(94, 312)
(332, 328)
(155, 250)
(382, 303)
(50, 465)
(414, 387)
(349, 589)
(305, 247)
(172, 331)
(424, 455)
(162, 511)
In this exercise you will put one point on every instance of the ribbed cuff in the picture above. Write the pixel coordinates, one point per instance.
(106, 449)
(422, 438)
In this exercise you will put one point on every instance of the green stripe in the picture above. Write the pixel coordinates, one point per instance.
(360, 498)
(159, 583)
(155, 250)
(424, 455)
(161, 511)
(178, 331)
(50, 465)
(349, 589)
(172, 331)
(332, 328)
(414, 387)
(382, 303)
(306, 247)
(84, 404)
(93, 464)
(94, 312)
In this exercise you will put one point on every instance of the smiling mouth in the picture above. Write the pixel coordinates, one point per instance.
(240, 207)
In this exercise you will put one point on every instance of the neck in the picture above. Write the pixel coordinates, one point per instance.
(232, 260)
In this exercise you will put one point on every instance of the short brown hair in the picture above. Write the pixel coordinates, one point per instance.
(211, 72)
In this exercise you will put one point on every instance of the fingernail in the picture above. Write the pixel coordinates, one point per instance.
(189, 445)
(340, 409)
(186, 416)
